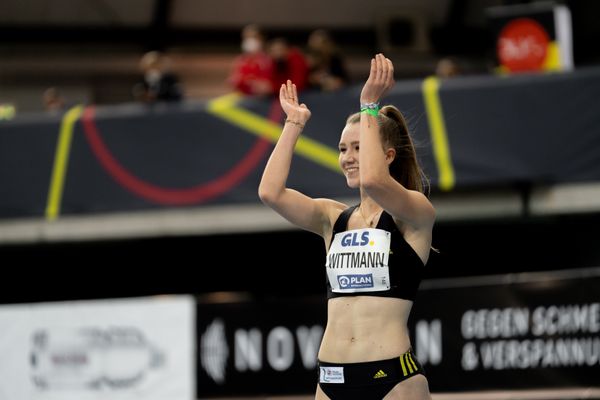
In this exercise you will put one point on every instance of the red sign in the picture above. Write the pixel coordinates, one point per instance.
(522, 45)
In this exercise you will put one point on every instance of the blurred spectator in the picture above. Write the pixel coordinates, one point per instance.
(52, 100)
(252, 70)
(447, 67)
(327, 68)
(288, 63)
(158, 82)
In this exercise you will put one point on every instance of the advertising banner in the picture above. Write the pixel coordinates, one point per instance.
(121, 349)
(528, 331)
(525, 331)
(532, 37)
(262, 347)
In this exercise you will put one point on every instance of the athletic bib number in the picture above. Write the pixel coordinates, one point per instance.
(358, 261)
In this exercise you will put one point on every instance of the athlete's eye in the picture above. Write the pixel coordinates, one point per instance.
(342, 149)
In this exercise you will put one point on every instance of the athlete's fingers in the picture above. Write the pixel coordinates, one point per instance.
(295, 92)
(380, 69)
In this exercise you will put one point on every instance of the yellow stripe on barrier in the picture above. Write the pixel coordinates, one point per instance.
(225, 101)
(61, 161)
(437, 127)
(318, 153)
(224, 107)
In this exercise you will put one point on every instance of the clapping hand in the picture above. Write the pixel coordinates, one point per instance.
(288, 96)
(381, 79)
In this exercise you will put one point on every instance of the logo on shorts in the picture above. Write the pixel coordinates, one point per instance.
(331, 375)
(355, 281)
(379, 374)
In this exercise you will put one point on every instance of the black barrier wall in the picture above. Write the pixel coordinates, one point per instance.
(50, 271)
(470, 131)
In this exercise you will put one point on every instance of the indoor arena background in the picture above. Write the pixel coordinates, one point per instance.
(139, 263)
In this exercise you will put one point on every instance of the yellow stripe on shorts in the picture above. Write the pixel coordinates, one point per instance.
(412, 361)
(403, 366)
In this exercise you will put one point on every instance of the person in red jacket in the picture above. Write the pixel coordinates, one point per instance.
(288, 63)
(252, 72)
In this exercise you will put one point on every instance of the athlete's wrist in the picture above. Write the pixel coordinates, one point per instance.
(297, 117)
(298, 124)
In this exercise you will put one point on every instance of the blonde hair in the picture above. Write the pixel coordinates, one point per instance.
(394, 133)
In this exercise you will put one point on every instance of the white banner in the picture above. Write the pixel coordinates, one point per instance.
(118, 349)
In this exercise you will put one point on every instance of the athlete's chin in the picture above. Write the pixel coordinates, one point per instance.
(352, 183)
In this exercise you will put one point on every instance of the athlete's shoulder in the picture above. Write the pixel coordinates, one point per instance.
(422, 209)
(332, 209)
(331, 204)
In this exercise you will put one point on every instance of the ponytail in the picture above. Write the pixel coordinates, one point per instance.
(394, 133)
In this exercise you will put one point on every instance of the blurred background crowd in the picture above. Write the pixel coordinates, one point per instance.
(52, 55)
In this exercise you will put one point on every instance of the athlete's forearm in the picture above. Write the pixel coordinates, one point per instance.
(276, 172)
(372, 162)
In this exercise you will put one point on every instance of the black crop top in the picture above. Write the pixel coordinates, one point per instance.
(372, 261)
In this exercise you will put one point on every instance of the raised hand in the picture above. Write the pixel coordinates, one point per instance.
(381, 79)
(288, 96)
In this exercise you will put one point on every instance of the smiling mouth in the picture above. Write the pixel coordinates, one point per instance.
(351, 170)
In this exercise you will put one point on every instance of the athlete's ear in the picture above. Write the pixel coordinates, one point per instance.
(390, 155)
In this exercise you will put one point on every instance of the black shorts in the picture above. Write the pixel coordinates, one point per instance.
(366, 380)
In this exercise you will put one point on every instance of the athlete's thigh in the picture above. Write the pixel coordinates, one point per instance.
(415, 388)
(320, 395)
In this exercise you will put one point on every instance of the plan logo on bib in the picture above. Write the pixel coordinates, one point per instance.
(355, 281)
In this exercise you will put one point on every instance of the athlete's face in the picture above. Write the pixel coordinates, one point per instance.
(348, 157)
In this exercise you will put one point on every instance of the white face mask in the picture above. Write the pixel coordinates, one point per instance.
(251, 45)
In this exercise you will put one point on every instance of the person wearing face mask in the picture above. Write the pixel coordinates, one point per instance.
(158, 82)
(252, 70)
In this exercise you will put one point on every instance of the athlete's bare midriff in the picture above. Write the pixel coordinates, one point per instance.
(365, 328)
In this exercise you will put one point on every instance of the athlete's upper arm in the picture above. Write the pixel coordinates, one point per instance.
(313, 215)
(403, 204)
